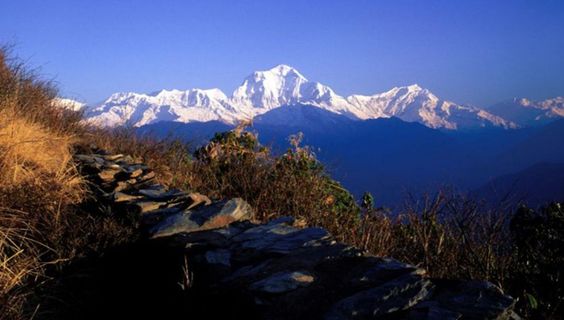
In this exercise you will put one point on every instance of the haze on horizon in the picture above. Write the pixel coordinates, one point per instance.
(475, 53)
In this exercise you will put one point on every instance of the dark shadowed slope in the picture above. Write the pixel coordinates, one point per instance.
(525, 112)
(513, 110)
(194, 132)
(390, 157)
(545, 144)
(536, 185)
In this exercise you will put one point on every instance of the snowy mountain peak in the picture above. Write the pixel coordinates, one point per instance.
(283, 85)
(271, 88)
(120, 96)
(411, 91)
(526, 112)
(69, 104)
(416, 104)
(522, 101)
(284, 71)
(165, 92)
(414, 88)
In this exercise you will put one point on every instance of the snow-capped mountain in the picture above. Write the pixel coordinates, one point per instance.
(526, 112)
(138, 109)
(281, 86)
(69, 104)
(415, 104)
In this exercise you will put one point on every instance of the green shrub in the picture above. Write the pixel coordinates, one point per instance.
(234, 164)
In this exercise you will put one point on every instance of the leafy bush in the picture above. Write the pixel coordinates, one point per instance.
(234, 164)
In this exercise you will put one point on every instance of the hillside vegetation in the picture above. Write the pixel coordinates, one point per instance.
(46, 215)
(48, 218)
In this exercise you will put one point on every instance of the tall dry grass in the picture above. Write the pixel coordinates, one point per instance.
(40, 189)
(48, 219)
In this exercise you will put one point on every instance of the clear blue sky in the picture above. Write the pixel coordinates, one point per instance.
(476, 52)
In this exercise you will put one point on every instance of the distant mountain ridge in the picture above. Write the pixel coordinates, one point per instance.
(69, 104)
(529, 113)
(282, 86)
(395, 159)
(536, 185)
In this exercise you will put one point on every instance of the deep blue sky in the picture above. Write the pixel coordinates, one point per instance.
(476, 52)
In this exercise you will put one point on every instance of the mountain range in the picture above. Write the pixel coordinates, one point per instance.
(529, 113)
(282, 86)
(403, 141)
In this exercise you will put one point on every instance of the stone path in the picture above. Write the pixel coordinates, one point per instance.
(285, 271)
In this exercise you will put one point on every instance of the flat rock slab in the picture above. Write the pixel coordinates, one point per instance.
(279, 238)
(161, 195)
(473, 299)
(198, 199)
(153, 217)
(393, 296)
(283, 282)
(220, 256)
(135, 173)
(108, 175)
(148, 206)
(147, 176)
(214, 216)
(123, 197)
(113, 157)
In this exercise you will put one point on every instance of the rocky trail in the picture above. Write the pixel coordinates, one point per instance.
(199, 258)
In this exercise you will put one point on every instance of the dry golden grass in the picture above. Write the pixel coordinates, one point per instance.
(29, 150)
(47, 217)
(38, 182)
(19, 262)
